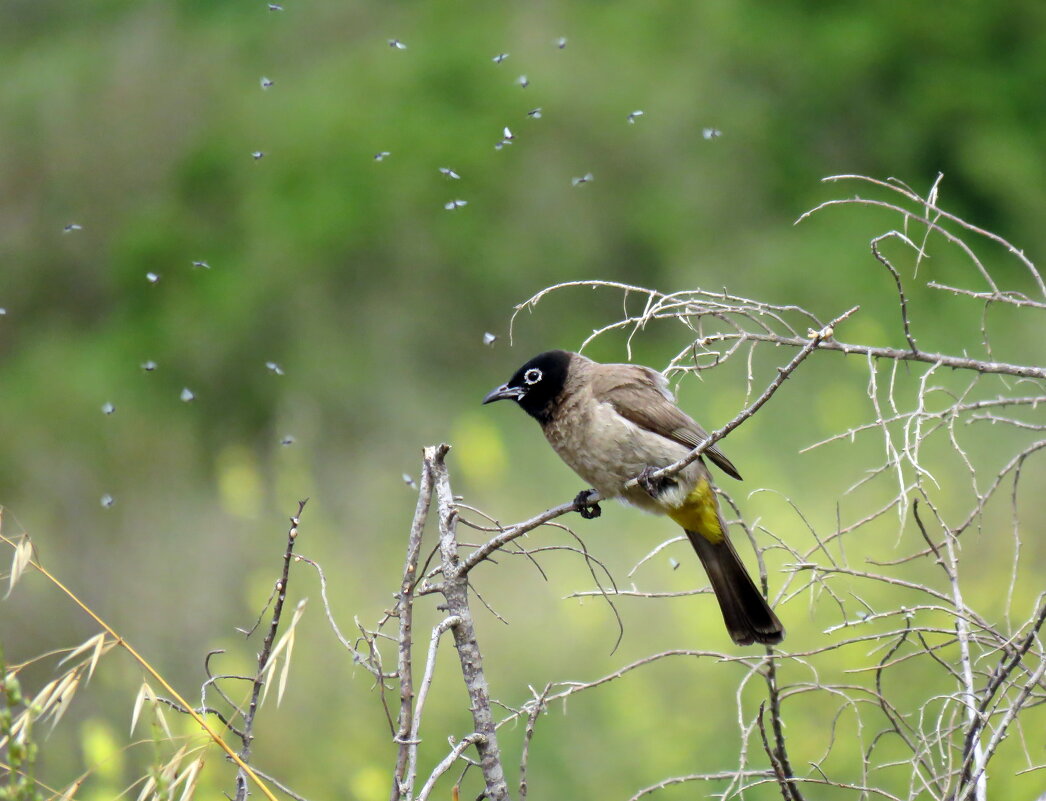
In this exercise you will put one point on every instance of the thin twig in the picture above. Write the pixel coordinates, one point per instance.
(897, 280)
(816, 339)
(402, 779)
(450, 759)
(779, 753)
(263, 656)
(423, 692)
(537, 706)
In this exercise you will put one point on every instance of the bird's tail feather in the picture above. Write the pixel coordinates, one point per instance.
(747, 615)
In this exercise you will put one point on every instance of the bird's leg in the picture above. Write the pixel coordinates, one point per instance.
(585, 507)
(654, 487)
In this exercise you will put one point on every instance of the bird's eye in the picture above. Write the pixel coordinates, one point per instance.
(532, 376)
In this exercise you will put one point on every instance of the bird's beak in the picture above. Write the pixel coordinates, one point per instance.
(504, 392)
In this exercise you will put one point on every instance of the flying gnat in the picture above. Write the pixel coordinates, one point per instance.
(107, 501)
(108, 408)
(3, 311)
(561, 42)
(275, 7)
(711, 133)
(535, 113)
(149, 366)
(499, 58)
(201, 265)
(274, 368)
(409, 481)
(266, 83)
(257, 155)
(673, 563)
(397, 44)
(382, 155)
(584, 179)
(634, 115)
(152, 278)
(506, 139)
(72, 227)
(523, 81)
(187, 395)
(449, 173)
(287, 440)
(489, 339)
(455, 204)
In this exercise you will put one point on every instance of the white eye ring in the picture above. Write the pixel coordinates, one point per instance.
(532, 376)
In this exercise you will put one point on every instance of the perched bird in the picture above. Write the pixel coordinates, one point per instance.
(614, 422)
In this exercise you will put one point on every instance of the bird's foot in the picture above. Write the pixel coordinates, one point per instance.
(584, 505)
(653, 486)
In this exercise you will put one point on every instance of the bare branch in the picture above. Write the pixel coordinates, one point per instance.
(266, 652)
(537, 707)
(423, 691)
(897, 279)
(402, 780)
(455, 591)
(975, 670)
(815, 340)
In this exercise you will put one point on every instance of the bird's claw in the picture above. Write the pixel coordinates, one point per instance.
(646, 480)
(585, 507)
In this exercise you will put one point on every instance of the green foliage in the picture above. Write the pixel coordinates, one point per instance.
(18, 775)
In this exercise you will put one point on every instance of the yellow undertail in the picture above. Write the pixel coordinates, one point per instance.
(699, 512)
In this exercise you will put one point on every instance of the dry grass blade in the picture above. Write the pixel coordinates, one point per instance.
(146, 695)
(98, 645)
(148, 788)
(69, 793)
(144, 692)
(64, 696)
(216, 738)
(168, 773)
(23, 556)
(52, 701)
(284, 648)
(190, 776)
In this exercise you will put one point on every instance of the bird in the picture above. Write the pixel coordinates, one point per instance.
(612, 423)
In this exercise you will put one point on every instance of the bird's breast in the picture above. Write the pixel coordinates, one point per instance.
(607, 450)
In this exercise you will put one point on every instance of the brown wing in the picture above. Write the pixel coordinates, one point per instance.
(641, 395)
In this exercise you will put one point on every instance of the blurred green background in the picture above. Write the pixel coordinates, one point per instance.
(137, 121)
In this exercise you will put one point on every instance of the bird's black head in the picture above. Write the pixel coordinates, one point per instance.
(536, 385)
